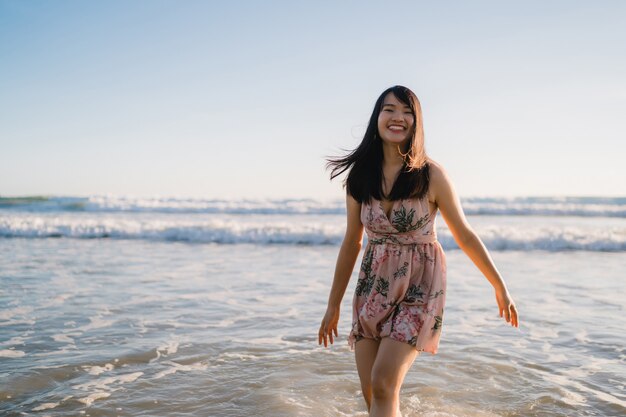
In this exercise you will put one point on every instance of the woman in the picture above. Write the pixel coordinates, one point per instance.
(394, 190)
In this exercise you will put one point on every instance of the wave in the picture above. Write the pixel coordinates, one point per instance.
(476, 206)
(502, 237)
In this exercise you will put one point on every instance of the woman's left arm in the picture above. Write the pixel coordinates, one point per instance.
(449, 205)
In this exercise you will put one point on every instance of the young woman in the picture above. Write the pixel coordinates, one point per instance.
(394, 191)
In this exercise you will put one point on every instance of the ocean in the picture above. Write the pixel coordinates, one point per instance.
(126, 306)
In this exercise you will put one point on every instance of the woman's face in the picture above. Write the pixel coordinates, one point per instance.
(395, 120)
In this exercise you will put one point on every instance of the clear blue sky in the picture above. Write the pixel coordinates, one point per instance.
(245, 99)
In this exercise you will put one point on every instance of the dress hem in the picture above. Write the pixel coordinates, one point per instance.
(352, 344)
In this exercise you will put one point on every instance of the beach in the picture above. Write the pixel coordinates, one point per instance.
(171, 306)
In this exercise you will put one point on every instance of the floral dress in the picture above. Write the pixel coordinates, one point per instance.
(401, 288)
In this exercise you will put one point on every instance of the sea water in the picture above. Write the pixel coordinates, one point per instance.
(171, 307)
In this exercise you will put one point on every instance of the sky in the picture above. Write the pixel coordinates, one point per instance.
(246, 99)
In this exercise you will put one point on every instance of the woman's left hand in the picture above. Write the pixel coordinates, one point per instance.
(506, 305)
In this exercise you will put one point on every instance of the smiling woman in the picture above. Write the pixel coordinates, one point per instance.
(399, 299)
(397, 107)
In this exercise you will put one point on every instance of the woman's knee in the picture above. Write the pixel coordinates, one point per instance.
(383, 384)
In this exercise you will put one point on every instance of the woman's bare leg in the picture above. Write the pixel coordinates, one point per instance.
(392, 362)
(365, 353)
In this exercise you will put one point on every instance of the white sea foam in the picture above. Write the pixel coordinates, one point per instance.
(169, 348)
(559, 357)
(104, 383)
(62, 338)
(11, 353)
(176, 367)
(500, 235)
(544, 223)
(518, 206)
(97, 370)
(88, 400)
(46, 406)
(200, 230)
(95, 322)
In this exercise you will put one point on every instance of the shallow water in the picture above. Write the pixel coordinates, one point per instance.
(133, 327)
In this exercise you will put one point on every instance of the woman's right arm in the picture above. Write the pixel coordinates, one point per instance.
(348, 254)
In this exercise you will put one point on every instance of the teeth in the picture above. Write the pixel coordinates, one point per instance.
(396, 128)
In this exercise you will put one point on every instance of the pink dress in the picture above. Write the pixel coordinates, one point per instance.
(401, 288)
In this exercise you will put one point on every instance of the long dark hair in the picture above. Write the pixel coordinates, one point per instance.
(364, 179)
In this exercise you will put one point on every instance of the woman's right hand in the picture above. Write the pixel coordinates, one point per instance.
(328, 326)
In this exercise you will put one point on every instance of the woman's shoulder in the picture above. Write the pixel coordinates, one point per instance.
(438, 177)
(435, 169)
